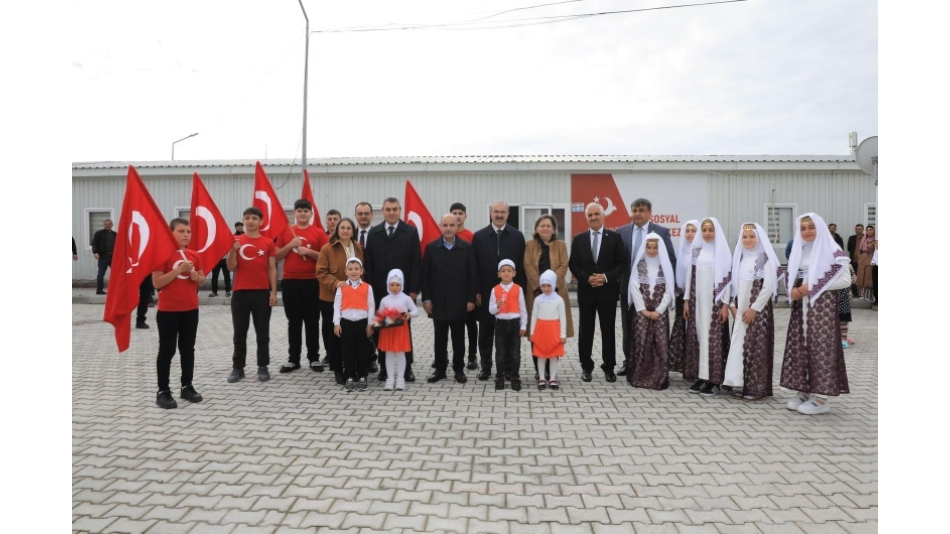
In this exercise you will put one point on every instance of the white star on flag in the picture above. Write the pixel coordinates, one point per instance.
(260, 252)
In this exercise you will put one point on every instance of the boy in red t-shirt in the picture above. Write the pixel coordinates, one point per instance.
(177, 283)
(253, 262)
(298, 246)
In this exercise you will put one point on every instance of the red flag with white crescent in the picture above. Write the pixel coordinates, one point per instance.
(417, 214)
(307, 194)
(265, 199)
(144, 242)
(210, 234)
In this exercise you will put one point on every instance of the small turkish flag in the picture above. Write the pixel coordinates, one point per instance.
(210, 235)
(142, 245)
(307, 194)
(265, 199)
(418, 215)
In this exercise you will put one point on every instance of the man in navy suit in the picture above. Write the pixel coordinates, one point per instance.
(633, 235)
(598, 261)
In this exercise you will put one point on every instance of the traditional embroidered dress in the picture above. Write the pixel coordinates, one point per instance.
(814, 358)
(707, 288)
(754, 283)
(648, 360)
(678, 336)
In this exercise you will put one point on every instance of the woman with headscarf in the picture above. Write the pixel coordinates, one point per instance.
(754, 284)
(648, 364)
(545, 252)
(866, 248)
(707, 299)
(814, 358)
(678, 337)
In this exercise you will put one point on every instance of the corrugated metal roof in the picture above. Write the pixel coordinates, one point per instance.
(391, 160)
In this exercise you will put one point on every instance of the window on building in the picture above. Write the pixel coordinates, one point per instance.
(870, 215)
(183, 213)
(95, 217)
(780, 221)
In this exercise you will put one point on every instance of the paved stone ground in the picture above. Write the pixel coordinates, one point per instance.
(298, 454)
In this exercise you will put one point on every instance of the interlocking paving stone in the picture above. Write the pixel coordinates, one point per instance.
(297, 454)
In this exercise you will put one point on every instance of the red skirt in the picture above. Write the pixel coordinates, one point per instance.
(547, 339)
(395, 339)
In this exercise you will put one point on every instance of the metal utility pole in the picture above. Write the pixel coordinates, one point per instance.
(180, 140)
(306, 64)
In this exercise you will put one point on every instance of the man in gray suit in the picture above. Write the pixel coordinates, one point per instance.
(633, 235)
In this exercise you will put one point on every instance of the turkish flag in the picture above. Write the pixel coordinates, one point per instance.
(417, 214)
(265, 199)
(307, 194)
(210, 233)
(142, 245)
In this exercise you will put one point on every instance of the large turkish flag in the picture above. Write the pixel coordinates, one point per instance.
(417, 214)
(265, 199)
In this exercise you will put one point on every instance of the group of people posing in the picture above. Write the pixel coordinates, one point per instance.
(498, 288)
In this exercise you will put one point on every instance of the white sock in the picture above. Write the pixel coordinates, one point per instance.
(400, 365)
(390, 365)
(553, 367)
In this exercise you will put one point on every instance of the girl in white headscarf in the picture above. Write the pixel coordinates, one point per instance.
(754, 284)
(648, 364)
(395, 340)
(814, 357)
(548, 327)
(706, 300)
(678, 337)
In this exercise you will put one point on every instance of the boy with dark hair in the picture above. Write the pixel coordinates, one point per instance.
(333, 217)
(300, 245)
(252, 259)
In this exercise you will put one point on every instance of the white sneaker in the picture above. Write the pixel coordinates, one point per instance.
(796, 401)
(389, 385)
(813, 407)
(400, 384)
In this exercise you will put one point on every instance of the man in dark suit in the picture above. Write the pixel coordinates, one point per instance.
(853, 243)
(449, 284)
(493, 243)
(833, 228)
(103, 243)
(393, 244)
(633, 235)
(598, 260)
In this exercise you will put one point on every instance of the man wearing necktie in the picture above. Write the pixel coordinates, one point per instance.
(633, 235)
(598, 260)
(364, 221)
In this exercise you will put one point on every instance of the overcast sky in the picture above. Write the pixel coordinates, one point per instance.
(755, 77)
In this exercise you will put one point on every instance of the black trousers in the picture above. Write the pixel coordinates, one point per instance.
(625, 328)
(486, 336)
(221, 267)
(145, 296)
(245, 305)
(103, 263)
(302, 308)
(471, 324)
(176, 328)
(607, 312)
(508, 347)
(854, 287)
(356, 348)
(330, 342)
(874, 281)
(442, 329)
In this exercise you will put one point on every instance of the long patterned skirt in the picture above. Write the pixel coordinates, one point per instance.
(678, 337)
(648, 365)
(718, 343)
(815, 363)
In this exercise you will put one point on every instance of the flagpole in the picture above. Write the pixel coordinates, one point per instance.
(306, 64)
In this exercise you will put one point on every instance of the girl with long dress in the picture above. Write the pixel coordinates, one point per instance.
(549, 320)
(754, 284)
(866, 248)
(814, 358)
(648, 364)
(678, 336)
(707, 299)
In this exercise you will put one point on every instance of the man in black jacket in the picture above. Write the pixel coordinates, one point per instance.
(853, 243)
(103, 243)
(598, 260)
(493, 243)
(449, 285)
(393, 244)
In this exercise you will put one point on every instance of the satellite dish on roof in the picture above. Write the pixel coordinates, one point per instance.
(866, 155)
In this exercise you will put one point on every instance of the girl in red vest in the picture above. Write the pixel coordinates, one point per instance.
(395, 340)
(353, 305)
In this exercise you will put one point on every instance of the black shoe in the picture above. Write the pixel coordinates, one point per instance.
(499, 383)
(316, 366)
(100, 292)
(709, 390)
(350, 386)
(516, 384)
(212, 294)
(727, 388)
(382, 375)
(696, 387)
(236, 374)
(361, 385)
(484, 375)
(373, 367)
(142, 326)
(611, 377)
(339, 377)
(436, 376)
(472, 363)
(263, 374)
(289, 367)
(227, 294)
(460, 377)
(408, 376)
(189, 394)
(164, 400)
(622, 371)
(585, 376)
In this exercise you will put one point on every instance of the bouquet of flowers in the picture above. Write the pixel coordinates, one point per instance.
(388, 317)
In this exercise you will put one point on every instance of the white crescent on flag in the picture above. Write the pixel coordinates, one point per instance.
(241, 252)
(139, 220)
(177, 263)
(205, 214)
(416, 221)
(266, 199)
